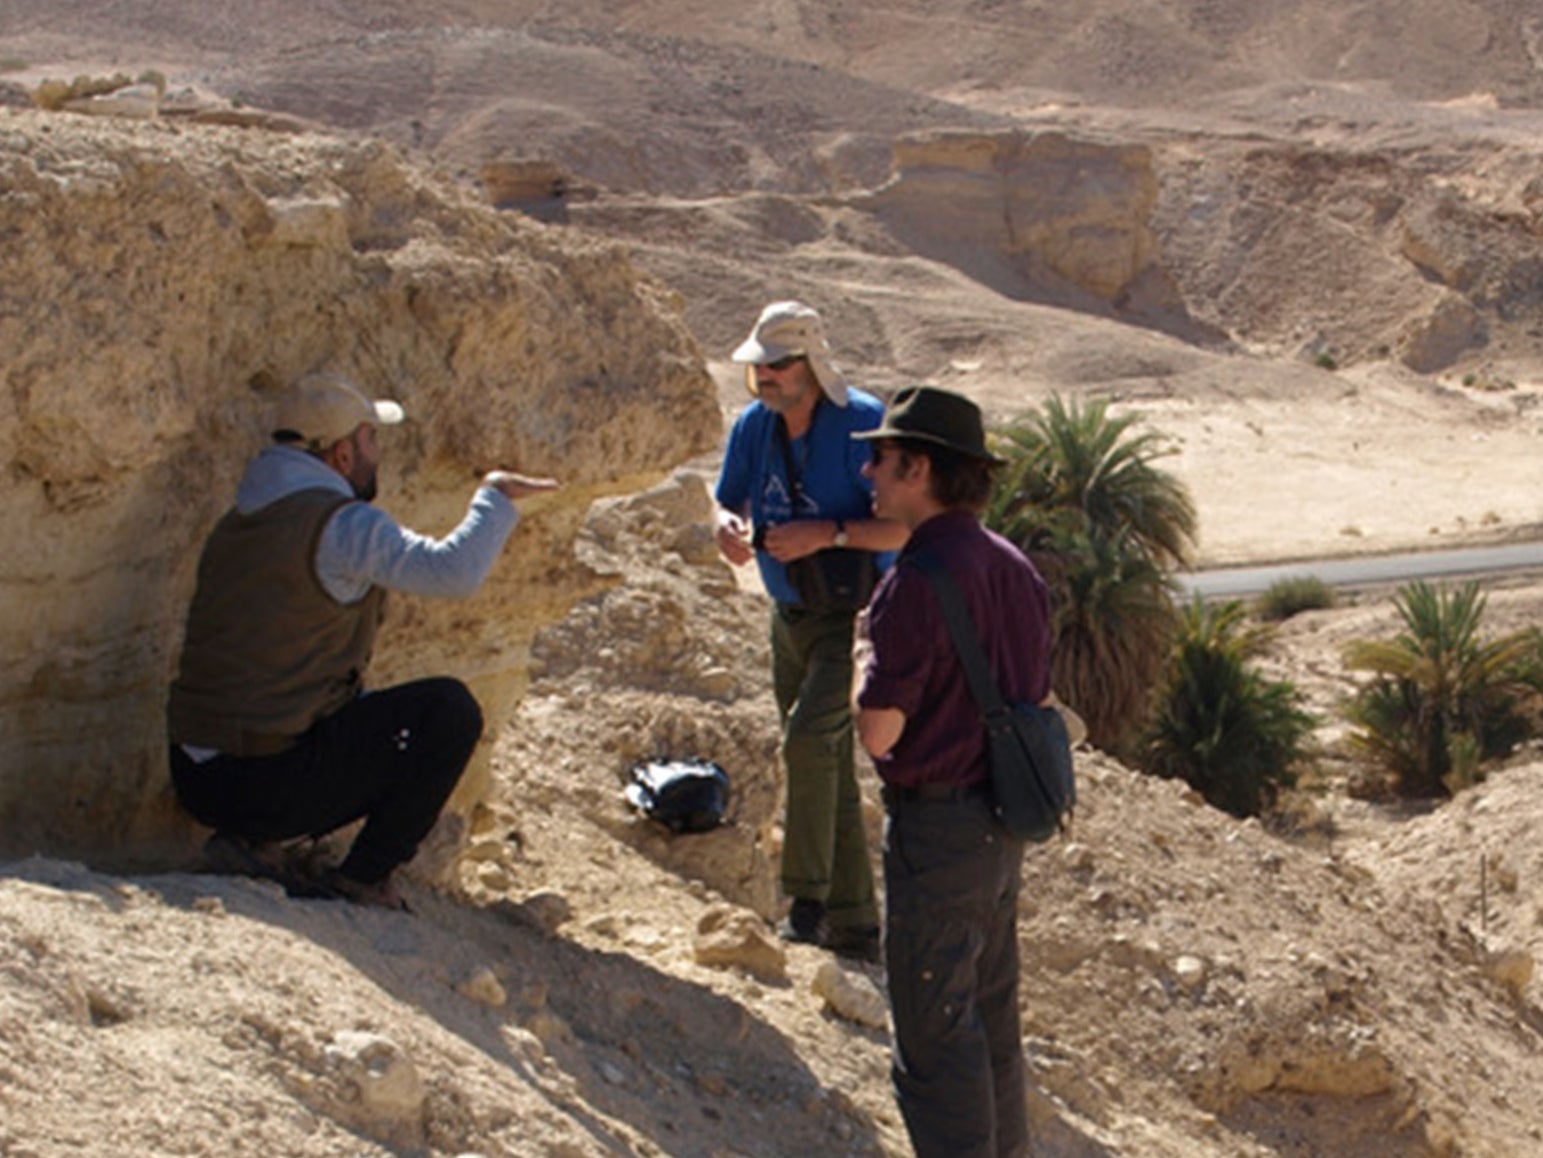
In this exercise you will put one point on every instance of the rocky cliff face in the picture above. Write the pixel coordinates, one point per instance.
(157, 283)
(1038, 217)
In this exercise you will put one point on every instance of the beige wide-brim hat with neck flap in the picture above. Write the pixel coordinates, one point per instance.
(792, 330)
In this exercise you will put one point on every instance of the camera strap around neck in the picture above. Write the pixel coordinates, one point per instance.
(785, 444)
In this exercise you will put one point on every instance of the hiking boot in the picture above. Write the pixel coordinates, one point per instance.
(805, 922)
(856, 943)
(381, 894)
(227, 854)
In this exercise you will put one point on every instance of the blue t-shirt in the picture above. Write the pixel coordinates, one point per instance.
(829, 462)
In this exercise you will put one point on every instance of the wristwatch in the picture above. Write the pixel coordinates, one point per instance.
(841, 534)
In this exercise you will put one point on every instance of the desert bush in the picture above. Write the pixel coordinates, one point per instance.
(1080, 494)
(1114, 624)
(1293, 595)
(1443, 701)
(1528, 672)
(1221, 726)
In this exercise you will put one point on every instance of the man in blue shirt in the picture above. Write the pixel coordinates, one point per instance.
(792, 495)
(272, 733)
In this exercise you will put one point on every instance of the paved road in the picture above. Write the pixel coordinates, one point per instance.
(1237, 582)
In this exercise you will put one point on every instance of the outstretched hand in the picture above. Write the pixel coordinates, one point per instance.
(517, 486)
(733, 538)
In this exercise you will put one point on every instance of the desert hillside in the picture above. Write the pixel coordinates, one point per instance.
(590, 985)
(1303, 237)
(1302, 240)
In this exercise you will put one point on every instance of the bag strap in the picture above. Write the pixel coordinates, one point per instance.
(961, 625)
(785, 444)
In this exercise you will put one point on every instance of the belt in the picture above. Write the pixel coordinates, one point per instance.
(244, 745)
(934, 793)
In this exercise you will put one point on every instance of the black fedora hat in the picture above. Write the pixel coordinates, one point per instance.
(941, 417)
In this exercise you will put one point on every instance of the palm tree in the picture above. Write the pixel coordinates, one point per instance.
(1114, 624)
(1222, 727)
(1075, 468)
(1080, 495)
(1442, 699)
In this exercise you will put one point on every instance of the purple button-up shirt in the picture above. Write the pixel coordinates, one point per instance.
(914, 667)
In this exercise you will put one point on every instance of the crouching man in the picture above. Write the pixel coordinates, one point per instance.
(273, 735)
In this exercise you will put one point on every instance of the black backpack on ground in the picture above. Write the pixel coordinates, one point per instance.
(682, 795)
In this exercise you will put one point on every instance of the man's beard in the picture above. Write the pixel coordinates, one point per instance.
(365, 488)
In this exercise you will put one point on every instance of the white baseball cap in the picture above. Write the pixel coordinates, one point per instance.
(321, 409)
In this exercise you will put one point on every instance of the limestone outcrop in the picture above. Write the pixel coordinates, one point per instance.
(157, 283)
(1043, 217)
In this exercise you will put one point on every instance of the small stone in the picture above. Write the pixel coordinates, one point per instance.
(390, 1092)
(1189, 971)
(494, 877)
(547, 910)
(1512, 968)
(1077, 857)
(731, 937)
(484, 849)
(851, 996)
(1507, 880)
(716, 683)
(484, 988)
(1103, 900)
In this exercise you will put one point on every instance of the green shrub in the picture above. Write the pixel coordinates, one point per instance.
(1233, 735)
(1080, 495)
(1443, 700)
(1292, 595)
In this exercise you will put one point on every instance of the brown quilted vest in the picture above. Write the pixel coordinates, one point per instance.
(268, 652)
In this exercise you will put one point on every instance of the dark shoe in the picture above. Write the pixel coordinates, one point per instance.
(227, 854)
(381, 894)
(805, 923)
(856, 942)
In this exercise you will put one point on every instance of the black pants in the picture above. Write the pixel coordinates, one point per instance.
(952, 875)
(392, 757)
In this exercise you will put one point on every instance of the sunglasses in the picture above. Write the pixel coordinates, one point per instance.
(782, 364)
(880, 452)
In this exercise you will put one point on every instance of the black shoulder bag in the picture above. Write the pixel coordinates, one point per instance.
(833, 578)
(1028, 750)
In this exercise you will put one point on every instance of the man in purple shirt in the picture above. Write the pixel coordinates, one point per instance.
(952, 873)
